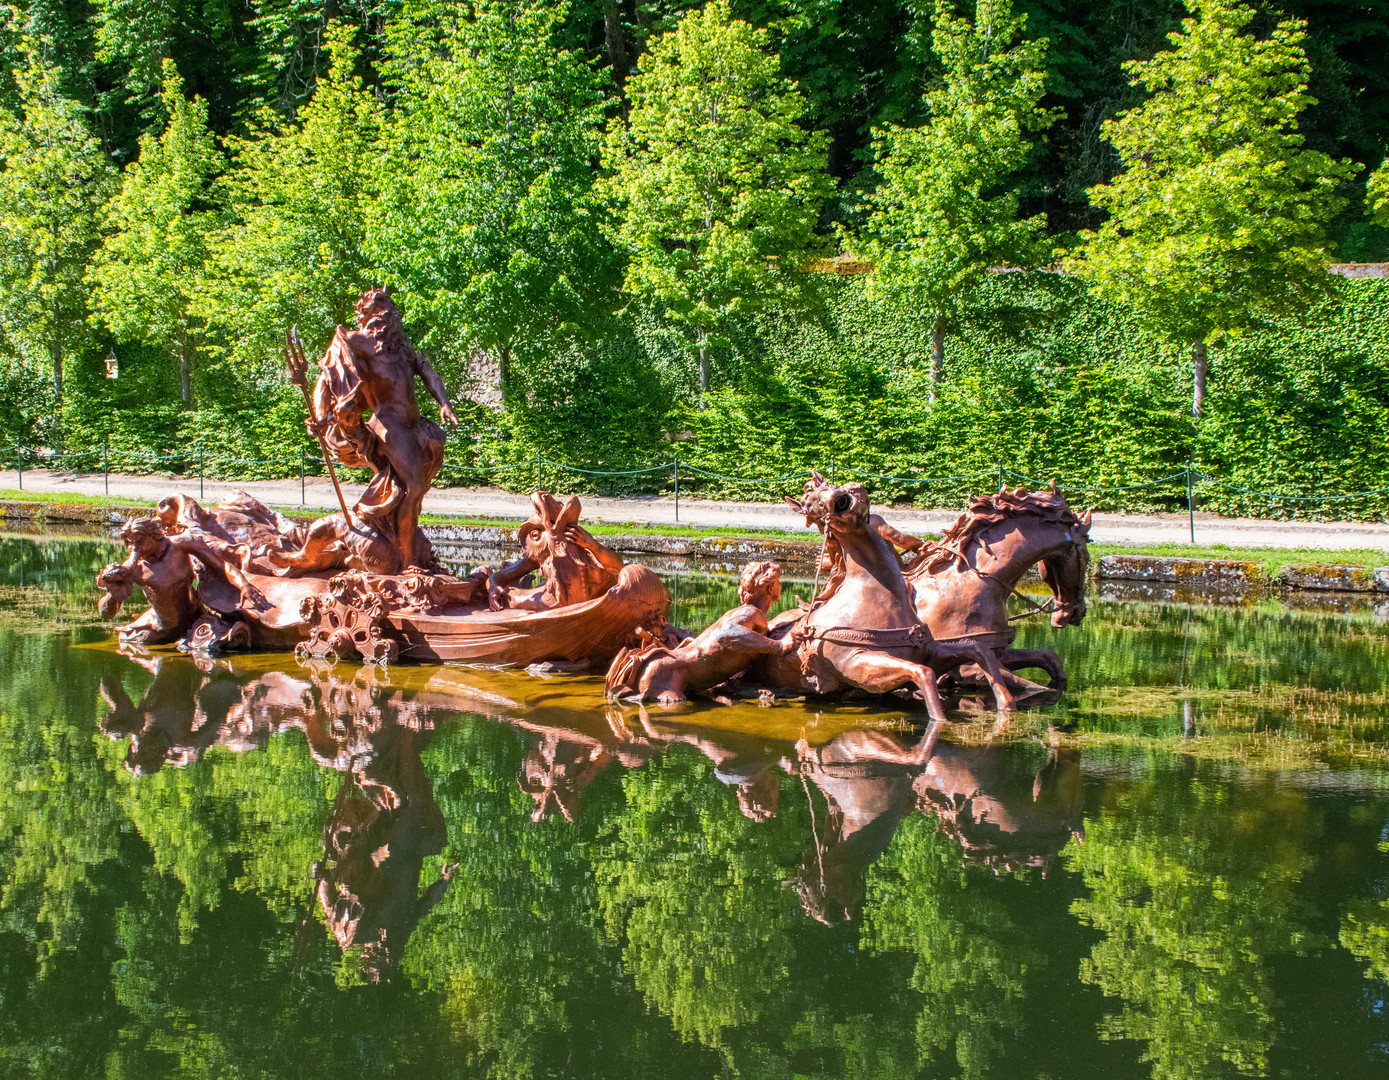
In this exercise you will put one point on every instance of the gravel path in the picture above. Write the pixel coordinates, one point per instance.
(489, 502)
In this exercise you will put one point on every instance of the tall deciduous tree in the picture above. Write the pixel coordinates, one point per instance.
(718, 186)
(1218, 216)
(53, 180)
(147, 272)
(1377, 195)
(941, 216)
(487, 220)
(299, 193)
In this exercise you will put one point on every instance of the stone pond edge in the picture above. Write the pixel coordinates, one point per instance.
(1216, 575)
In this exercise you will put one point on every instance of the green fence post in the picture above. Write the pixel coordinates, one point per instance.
(539, 473)
(832, 470)
(201, 457)
(1190, 510)
(677, 485)
(1000, 476)
(301, 476)
(106, 464)
(19, 464)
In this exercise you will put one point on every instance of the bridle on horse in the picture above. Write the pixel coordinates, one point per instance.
(1050, 606)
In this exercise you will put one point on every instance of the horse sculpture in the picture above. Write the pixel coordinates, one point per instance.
(961, 585)
(862, 630)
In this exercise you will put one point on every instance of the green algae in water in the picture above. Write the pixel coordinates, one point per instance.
(439, 871)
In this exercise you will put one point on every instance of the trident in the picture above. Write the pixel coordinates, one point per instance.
(298, 364)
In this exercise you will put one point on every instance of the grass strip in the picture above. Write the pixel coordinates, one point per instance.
(1273, 559)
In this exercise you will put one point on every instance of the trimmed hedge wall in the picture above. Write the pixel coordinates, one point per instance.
(1049, 383)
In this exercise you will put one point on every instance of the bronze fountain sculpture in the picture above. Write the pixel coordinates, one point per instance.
(876, 626)
(364, 582)
(961, 585)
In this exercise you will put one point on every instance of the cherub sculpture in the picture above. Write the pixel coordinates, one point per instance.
(163, 566)
(669, 673)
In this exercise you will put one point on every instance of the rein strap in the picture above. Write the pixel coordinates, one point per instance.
(916, 635)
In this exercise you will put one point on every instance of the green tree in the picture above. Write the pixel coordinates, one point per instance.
(53, 180)
(487, 219)
(299, 193)
(1218, 217)
(718, 185)
(140, 37)
(147, 272)
(941, 216)
(1377, 195)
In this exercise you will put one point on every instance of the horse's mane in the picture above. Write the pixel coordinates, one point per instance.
(986, 511)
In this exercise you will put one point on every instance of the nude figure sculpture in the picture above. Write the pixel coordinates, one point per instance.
(662, 671)
(366, 413)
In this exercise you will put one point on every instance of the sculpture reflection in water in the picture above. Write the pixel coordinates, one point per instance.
(384, 822)
(1007, 814)
(1001, 817)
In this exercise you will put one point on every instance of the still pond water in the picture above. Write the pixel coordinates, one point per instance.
(248, 868)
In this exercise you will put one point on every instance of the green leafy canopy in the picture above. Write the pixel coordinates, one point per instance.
(487, 221)
(717, 183)
(1219, 213)
(942, 216)
(299, 193)
(1377, 195)
(148, 271)
(53, 179)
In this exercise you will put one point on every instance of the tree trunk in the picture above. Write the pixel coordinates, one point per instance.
(185, 371)
(56, 352)
(703, 364)
(504, 371)
(1198, 380)
(617, 48)
(937, 360)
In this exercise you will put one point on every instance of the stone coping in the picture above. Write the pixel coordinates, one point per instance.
(1200, 575)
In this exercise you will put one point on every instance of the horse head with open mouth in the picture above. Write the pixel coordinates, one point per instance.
(862, 629)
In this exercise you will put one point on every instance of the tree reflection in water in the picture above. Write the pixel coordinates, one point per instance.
(605, 890)
(1365, 932)
(1194, 887)
(935, 895)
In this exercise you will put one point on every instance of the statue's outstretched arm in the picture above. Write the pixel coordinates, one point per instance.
(509, 574)
(425, 370)
(895, 537)
(200, 549)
